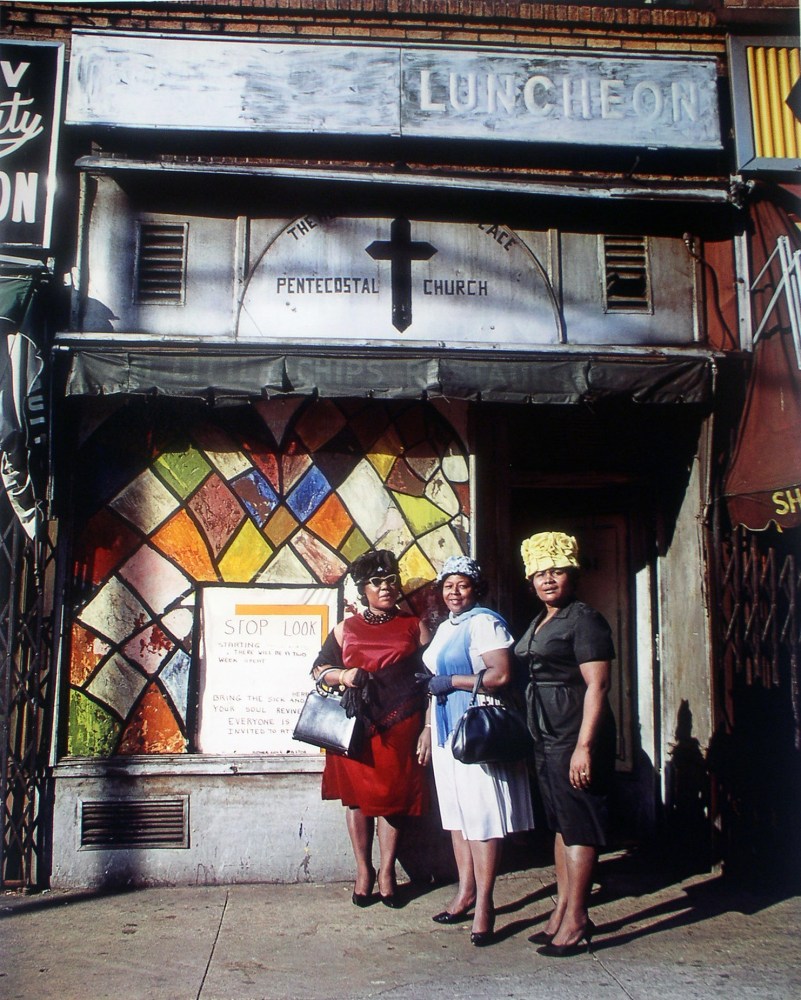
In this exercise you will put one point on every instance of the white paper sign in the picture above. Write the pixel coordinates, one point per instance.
(257, 648)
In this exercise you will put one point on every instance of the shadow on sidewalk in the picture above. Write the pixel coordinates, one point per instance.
(15, 903)
(686, 898)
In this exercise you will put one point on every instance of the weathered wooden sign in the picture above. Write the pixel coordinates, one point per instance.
(394, 280)
(257, 648)
(183, 82)
(31, 77)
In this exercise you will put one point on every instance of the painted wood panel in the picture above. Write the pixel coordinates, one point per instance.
(146, 81)
(560, 98)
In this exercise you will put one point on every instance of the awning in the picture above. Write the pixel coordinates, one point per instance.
(763, 483)
(467, 181)
(22, 427)
(227, 375)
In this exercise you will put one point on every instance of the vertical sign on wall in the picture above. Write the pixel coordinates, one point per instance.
(31, 75)
(257, 648)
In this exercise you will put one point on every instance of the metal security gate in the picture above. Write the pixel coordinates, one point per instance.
(761, 616)
(755, 755)
(25, 708)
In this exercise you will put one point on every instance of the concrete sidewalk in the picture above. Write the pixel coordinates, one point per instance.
(658, 936)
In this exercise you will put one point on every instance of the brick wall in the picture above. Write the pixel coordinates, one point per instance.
(634, 27)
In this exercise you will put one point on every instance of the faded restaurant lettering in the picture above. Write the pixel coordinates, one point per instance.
(544, 96)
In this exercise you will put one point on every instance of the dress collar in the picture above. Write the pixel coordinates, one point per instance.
(458, 619)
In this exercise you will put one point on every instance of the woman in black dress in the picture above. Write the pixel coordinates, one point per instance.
(568, 650)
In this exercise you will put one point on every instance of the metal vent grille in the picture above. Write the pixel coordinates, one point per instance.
(772, 71)
(627, 286)
(120, 823)
(161, 263)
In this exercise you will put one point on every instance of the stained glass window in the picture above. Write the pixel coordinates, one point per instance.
(170, 495)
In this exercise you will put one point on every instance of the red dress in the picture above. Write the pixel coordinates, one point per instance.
(387, 779)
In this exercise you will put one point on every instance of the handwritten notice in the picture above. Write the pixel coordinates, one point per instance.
(257, 647)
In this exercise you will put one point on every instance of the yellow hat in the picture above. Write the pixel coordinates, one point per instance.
(549, 550)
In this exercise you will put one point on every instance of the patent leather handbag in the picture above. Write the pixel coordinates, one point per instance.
(490, 733)
(323, 722)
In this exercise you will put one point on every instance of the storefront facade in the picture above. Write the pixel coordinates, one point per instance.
(338, 303)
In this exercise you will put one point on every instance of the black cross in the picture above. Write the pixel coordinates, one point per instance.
(401, 252)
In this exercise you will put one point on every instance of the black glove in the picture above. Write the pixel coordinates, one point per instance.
(440, 685)
(358, 695)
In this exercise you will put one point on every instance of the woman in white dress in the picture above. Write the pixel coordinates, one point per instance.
(479, 803)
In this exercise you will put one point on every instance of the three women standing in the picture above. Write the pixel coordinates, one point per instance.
(568, 649)
(377, 652)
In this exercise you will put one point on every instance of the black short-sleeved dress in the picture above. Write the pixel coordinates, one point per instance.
(555, 696)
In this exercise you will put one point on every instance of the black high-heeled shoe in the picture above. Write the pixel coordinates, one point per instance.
(482, 938)
(364, 898)
(541, 937)
(391, 898)
(446, 917)
(552, 950)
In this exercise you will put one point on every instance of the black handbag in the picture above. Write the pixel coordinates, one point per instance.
(323, 722)
(490, 734)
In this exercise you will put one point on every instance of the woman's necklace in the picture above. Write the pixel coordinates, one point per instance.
(373, 619)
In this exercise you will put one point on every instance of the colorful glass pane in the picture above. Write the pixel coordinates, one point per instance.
(294, 464)
(149, 648)
(245, 556)
(384, 452)
(415, 568)
(319, 423)
(324, 562)
(230, 503)
(331, 522)
(184, 470)
(158, 582)
(175, 678)
(280, 526)
(114, 612)
(269, 466)
(354, 546)
(307, 496)
(152, 727)
(181, 542)
(420, 513)
(103, 544)
(278, 414)
(117, 684)
(402, 479)
(93, 730)
(218, 512)
(257, 495)
(87, 652)
(146, 502)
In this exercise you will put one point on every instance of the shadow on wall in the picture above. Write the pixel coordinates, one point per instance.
(97, 317)
(687, 817)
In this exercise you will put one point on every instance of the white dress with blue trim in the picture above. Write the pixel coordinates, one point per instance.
(484, 801)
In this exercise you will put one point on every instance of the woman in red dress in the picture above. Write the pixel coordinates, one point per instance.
(377, 652)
